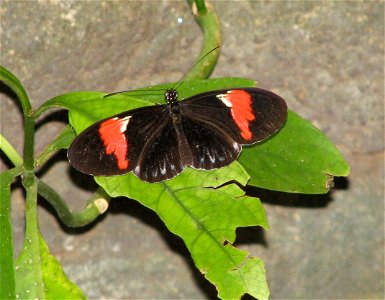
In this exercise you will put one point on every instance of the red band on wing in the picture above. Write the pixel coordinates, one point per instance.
(241, 111)
(112, 134)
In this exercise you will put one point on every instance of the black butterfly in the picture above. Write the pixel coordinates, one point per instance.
(205, 131)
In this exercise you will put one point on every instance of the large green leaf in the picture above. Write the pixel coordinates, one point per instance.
(300, 158)
(205, 217)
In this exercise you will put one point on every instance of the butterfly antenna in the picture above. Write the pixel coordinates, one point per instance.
(178, 84)
(136, 90)
(180, 81)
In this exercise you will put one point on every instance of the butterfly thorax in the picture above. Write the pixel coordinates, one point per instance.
(172, 101)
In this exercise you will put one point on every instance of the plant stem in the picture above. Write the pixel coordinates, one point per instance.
(208, 21)
(95, 206)
(201, 6)
(29, 141)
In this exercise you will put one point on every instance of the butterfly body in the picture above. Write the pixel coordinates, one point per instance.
(205, 131)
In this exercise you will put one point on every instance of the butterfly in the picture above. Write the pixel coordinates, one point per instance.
(206, 131)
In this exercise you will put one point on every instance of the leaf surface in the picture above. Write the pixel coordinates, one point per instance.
(298, 159)
(38, 274)
(7, 274)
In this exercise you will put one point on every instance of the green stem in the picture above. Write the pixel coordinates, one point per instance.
(208, 21)
(200, 5)
(29, 141)
(10, 152)
(95, 206)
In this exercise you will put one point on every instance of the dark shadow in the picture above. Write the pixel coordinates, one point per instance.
(250, 235)
(6, 90)
(298, 200)
(290, 199)
(60, 115)
(6, 160)
(82, 181)
(341, 183)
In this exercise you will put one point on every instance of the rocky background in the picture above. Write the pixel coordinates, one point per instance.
(326, 58)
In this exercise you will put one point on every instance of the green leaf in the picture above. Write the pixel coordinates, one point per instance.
(299, 159)
(10, 151)
(63, 141)
(205, 217)
(7, 274)
(56, 283)
(11, 80)
(38, 274)
(48, 281)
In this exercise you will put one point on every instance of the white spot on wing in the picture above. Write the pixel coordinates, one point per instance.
(211, 157)
(163, 168)
(225, 99)
(124, 123)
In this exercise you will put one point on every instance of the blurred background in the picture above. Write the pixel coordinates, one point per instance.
(326, 58)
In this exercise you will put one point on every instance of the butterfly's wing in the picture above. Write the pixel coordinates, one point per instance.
(248, 115)
(141, 140)
(217, 123)
(210, 147)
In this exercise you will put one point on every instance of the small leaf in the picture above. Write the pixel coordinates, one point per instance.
(63, 141)
(14, 83)
(205, 217)
(56, 283)
(38, 274)
(7, 274)
(299, 159)
(46, 282)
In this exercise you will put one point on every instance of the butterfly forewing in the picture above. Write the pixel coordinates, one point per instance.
(248, 115)
(113, 146)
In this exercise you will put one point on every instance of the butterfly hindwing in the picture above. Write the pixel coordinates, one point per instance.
(159, 158)
(210, 146)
